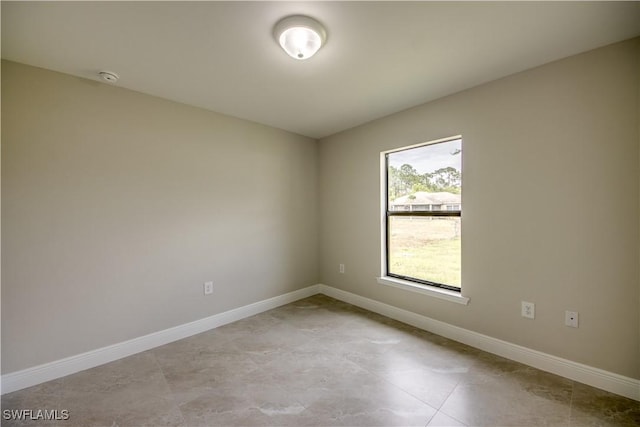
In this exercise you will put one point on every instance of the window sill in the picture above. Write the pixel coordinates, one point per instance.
(444, 294)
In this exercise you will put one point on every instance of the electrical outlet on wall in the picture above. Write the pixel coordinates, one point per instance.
(208, 288)
(341, 268)
(528, 310)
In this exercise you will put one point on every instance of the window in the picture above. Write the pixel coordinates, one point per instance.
(422, 222)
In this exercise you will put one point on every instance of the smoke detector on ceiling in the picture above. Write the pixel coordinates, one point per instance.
(108, 76)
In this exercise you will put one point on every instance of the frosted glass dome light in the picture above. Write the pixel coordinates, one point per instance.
(300, 36)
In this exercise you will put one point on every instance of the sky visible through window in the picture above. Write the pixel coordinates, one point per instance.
(429, 157)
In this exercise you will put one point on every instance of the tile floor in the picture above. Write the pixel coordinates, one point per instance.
(320, 362)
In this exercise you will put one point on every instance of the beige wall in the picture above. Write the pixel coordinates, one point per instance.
(557, 149)
(117, 206)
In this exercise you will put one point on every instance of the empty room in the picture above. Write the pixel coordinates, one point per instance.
(320, 213)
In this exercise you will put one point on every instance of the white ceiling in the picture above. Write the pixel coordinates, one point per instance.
(380, 57)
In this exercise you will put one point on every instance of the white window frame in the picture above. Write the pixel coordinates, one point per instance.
(384, 279)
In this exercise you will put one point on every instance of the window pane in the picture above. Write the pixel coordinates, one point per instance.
(425, 248)
(425, 178)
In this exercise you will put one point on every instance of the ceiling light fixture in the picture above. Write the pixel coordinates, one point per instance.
(300, 36)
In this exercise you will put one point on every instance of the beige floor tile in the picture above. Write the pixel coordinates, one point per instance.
(320, 362)
(591, 407)
(443, 420)
(40, 397)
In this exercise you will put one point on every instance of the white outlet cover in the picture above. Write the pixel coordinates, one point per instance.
(528, 310)
(208, 288)
(571, 318)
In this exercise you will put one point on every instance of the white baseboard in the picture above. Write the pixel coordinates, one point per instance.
(609, 381)
(49, 371)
